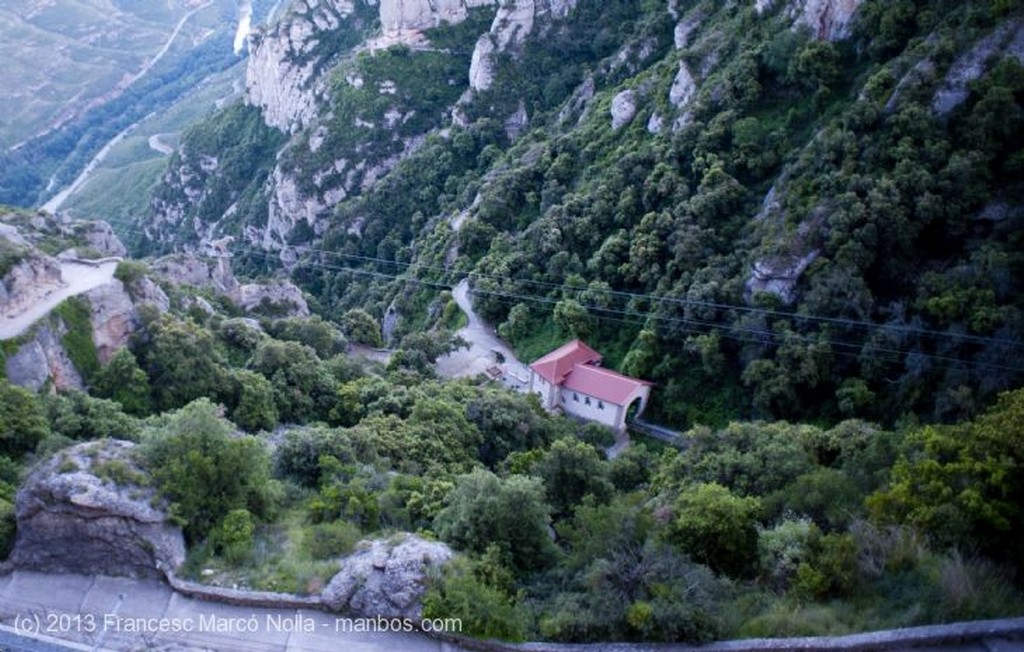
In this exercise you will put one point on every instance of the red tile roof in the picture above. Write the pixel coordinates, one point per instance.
(554, 366)
(602, 383)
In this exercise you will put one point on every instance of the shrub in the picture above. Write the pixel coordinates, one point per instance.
(328, 540)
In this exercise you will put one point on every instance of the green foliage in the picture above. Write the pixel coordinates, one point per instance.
(320, 335)
(298, 455)
(359, 326)
(182, 361)
(961, 484)
(130, 271)
(23, 422)
(233, 538)
(572, 471)
(485, 611)
(254, 408)
(330, 540)
(510, 513)
(124, 382)
(77, 317)
(716, 528)
(79, 416)
(303, 388)
(205, 471)
(8, 527)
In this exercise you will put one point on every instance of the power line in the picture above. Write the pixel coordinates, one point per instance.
(687, 324)
(686, 302)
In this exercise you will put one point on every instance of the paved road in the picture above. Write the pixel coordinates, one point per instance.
(483, 344)
(78, 277)
(99, 612)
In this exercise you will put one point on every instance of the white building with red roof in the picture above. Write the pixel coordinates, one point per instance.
(571, 378)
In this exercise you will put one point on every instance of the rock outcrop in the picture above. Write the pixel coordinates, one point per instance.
(28, 280)
(276, 298)
(514, 21)
(623, 109)
(113, 317)
(828, 20)
(1005, 40)
(88, 510)
(43, 359)
(401, 17)
(385, 578)
(280, 77)
(683, 87)
(778, 276)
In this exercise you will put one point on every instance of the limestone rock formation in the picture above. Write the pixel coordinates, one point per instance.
(779, 276)
(513, 22)
(683, 87)
(1007, 39)
(623, 109)
(280, 77)
(400, 17)
(828, 20)
(43, 359)
(88, 510)
(113, 317)
(28, 280)
(385, 578)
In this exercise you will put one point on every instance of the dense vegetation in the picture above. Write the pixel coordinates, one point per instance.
(854, 440)
(757, 528)
(792, 151)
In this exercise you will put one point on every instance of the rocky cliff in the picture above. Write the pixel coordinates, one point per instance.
(89, 510)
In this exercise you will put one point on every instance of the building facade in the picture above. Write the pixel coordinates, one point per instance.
(572, 379)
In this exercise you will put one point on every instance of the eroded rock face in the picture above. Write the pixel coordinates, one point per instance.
(280, 75)
(113, 317)
(278, 299)
(199, 272)
(828, 20)
(75, 517)
(514, 21)
(623, 109)
(400, 16)
(100, 236)
(385, 578)
(1007, 39)
(779, 276)
(683, 87)
(29, 280)
(43, 359)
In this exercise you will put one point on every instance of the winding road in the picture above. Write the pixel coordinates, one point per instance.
(483, 345)
(78, 278)
(55, 202)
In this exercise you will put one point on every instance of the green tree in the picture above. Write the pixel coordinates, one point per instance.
(359, 326)
(183, 363)
(573, 319)
(23, 421)
(123, 381)
(573, 470)
(717, 528)
(254, 407)
(205, 470)
(510, 513)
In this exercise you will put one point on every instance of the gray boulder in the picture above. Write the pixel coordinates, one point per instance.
(89, 510)
(385, 577)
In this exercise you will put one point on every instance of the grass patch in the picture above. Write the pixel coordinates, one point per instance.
(78, 340)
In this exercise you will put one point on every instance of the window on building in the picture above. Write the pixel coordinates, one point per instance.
(600, 405)
(576, 397)
(586, 399)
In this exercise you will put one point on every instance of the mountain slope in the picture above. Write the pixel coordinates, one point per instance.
(806, 209)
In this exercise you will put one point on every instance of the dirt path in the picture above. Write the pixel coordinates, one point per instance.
(484, 345)
(79, 278)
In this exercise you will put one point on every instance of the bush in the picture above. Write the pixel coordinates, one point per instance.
(485, 611)
(328, 540)
(717, 528)
(206, 471)
(129, 271)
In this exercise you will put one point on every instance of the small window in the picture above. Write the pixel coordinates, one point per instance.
(576, 397)
(600, 405)
(586, 399)
(563, 398)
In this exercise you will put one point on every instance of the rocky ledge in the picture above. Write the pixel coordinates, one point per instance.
(89, 510)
